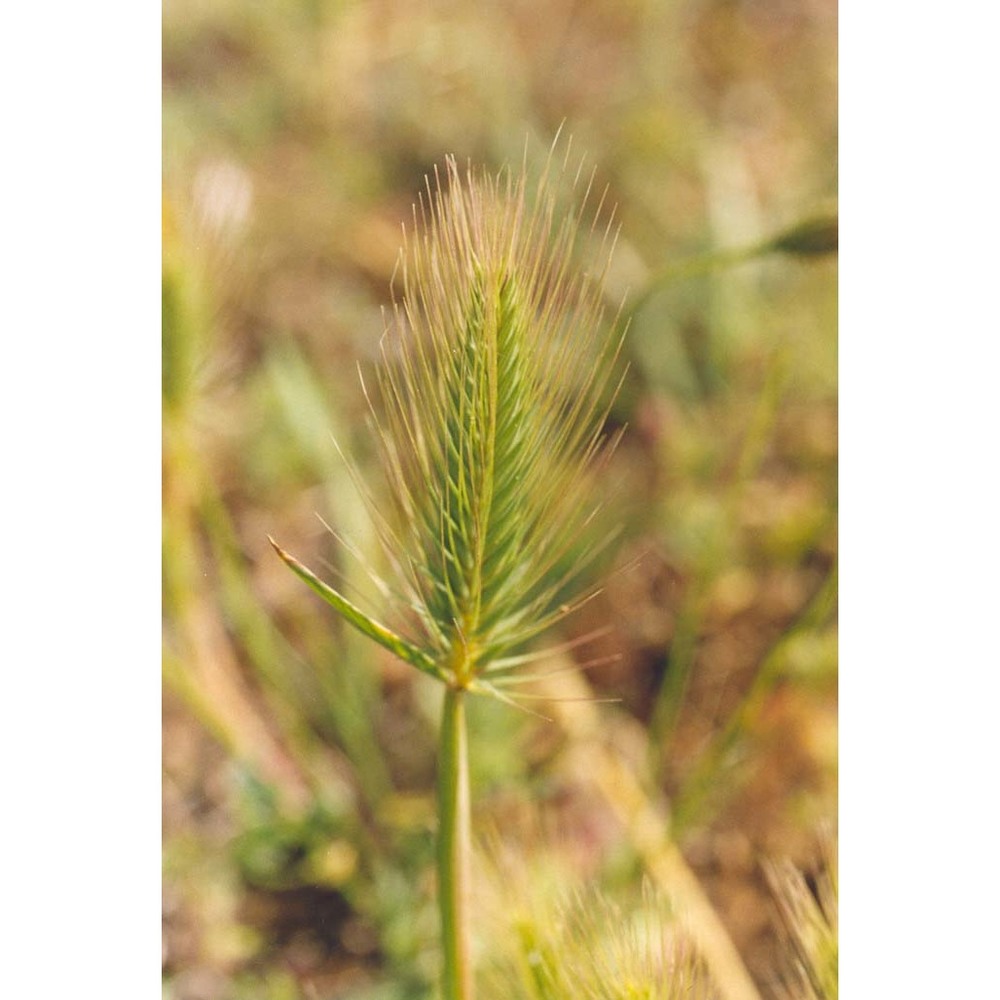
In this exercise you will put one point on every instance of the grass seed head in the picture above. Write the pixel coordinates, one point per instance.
(809, 926)
(497, 372)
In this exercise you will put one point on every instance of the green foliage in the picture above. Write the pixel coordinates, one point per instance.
(275, 850)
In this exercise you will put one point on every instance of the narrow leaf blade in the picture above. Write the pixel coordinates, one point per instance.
(355, 616)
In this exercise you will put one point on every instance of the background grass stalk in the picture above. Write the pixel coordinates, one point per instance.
(812, 237)
(454, 848)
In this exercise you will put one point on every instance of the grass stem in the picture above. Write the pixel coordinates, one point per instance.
(454, 848)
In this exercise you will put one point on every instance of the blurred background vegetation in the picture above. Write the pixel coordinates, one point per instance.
(298, 759)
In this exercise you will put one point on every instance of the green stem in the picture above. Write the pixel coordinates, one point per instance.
(691, 267)
(812, 237)
(454, 848)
